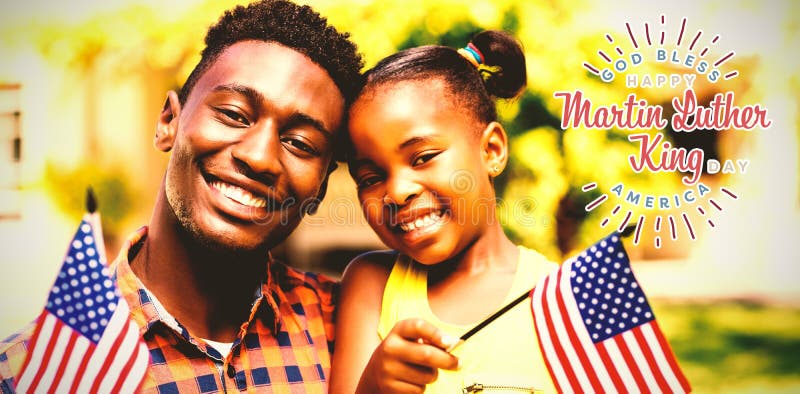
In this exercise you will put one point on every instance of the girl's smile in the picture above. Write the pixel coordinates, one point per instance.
(405, 170)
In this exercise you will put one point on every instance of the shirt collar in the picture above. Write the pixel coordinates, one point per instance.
(147, 311)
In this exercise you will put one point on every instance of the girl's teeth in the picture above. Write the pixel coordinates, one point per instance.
(425, 221)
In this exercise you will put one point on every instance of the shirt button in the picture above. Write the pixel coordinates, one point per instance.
(231, 371)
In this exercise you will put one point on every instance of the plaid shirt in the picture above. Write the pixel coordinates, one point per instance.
(284, 347)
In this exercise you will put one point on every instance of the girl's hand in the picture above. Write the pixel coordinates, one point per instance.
(408, 358)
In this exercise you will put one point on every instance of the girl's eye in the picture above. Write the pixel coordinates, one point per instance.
(423, 158)
(299, 144)
(234, 116)
(367, 181)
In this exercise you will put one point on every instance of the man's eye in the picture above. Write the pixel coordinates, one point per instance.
(423, 158)
(299, 144)
(234, 116)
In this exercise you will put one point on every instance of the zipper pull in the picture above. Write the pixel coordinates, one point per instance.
(475, 387)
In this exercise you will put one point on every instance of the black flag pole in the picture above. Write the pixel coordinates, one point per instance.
(91, 201)
(628, 231)
(624, 233)
(93, 217)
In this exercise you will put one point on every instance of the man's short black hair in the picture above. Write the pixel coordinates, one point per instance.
(291, 25)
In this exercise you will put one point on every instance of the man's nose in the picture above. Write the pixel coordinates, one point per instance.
(259, 149)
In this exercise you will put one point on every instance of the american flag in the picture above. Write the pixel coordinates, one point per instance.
(596, 329)
(84, 340)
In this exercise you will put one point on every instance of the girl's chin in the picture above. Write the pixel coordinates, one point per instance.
(428, 257)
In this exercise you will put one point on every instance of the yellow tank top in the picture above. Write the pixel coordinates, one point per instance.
(504, 357)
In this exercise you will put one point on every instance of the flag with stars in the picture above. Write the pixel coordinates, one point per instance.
(84, 340)
(596, 329)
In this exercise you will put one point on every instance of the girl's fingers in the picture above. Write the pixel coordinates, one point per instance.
(416, 329)
(404, 344)
(414, 374)
(430, 356)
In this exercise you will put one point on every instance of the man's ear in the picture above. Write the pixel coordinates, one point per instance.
(167, 126)
(494, 148)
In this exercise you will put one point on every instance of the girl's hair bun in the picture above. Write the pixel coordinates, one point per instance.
(503, 66)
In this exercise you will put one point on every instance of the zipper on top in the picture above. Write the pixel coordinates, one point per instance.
(478, 387)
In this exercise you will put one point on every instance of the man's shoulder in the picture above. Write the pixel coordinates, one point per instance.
(296, 276)
(293, 280)
(12, 354)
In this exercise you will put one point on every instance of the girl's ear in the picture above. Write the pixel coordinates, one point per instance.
(167, 126)
(494, 148)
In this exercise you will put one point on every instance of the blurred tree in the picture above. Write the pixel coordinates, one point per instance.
(115, 196)
(540, 194)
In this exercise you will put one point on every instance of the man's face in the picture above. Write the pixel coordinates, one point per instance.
(251, 146)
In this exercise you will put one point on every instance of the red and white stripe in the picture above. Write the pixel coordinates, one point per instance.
(63, 360)
(638, 360)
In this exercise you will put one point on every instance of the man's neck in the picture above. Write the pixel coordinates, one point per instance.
(209, 292)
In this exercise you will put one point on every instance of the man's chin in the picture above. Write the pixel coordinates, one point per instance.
(240, 244)
(212, 234)
(231, 247)
(222, 243)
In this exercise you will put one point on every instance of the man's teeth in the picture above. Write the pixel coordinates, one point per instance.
(424, 221)
(239, 195)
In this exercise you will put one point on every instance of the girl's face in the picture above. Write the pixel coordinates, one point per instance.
(421, 169)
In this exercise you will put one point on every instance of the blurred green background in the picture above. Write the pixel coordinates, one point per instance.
(83, 83)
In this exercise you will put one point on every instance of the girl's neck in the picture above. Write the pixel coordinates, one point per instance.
(476, 282)
(492, 251)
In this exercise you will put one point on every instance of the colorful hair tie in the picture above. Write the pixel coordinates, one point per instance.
(472, 54)
(475, 51)
(468, 55)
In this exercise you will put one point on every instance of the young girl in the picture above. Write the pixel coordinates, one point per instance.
(427, 147)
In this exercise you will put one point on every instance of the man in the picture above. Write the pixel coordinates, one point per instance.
(252, 135)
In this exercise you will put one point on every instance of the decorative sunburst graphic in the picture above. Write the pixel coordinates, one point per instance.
(624, 219)
(662, 35)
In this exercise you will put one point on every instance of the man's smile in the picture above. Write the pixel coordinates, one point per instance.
(239, 195)
(251, 196)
